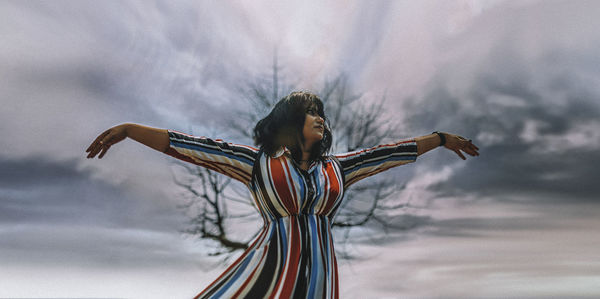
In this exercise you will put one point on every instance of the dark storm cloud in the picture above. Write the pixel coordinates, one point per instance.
(520, 165)
(40, 190)
(515, 165)
(54, 212)
(527, 109)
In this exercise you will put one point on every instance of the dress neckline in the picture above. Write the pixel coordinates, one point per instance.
(285, 151)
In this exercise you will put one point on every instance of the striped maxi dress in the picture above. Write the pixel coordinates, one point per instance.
(293, 254)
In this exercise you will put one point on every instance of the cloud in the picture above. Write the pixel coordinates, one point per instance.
(70, 71)
(56, 212)
(525, 100)
(39, 190)
(98, 247)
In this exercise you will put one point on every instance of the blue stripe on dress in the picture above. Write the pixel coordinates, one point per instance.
(298, 178)
(282, 233)
(392, 158)
(211, 151)
(315, 254)
(237, 274)
(318, 189)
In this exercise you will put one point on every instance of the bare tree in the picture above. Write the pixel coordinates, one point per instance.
(207, 194)
(355, 124)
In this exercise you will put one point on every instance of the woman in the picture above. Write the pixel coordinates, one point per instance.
(296, 186)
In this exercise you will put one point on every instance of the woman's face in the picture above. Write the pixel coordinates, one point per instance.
(314, 126)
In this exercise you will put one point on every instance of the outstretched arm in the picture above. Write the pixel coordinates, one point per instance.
(452, 142)
(360, 164)
(233, 160)
(157, 139)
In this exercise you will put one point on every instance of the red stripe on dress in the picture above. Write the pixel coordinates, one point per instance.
(243, 176)
(325, 198)
(291, 184)
(291, 276)
(279, 179)
(337, 287)
(334, 189)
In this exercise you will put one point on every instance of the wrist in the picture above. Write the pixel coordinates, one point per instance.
(442, 137)
(127, 129)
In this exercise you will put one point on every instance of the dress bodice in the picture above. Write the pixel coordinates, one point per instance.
(281, 188)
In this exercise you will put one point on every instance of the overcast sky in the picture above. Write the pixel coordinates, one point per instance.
(520, 78)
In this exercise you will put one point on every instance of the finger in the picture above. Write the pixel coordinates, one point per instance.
(106, 141)
(92, 144)
(473, 145)
(97, 148)
(474, 148)
(460, 154)
(92, 154)
(95, 142)
(470, 151)
(104, 150)
(102, 137)
(94, 151)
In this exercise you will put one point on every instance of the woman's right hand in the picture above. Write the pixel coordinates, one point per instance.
(105, 140)
(458, 143)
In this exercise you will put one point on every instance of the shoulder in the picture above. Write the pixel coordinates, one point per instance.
(332, 160)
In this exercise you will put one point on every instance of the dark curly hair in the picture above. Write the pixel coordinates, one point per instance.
(284, 124)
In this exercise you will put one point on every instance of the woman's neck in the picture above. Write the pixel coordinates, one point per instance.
(305, 148)
(304, 162)
(305, 156)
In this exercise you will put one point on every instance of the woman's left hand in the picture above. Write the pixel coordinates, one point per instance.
(458, 143)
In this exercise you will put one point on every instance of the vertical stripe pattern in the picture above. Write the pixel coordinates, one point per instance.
(293, 256)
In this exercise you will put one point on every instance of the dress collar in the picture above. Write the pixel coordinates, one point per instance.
(284, 150)
(281, 151)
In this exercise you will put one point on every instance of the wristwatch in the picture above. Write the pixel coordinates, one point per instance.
(442, 137)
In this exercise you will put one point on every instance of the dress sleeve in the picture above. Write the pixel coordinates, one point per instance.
(360, 164)
(233, 160)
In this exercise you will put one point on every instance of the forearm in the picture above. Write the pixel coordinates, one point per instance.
(155, 138)
(427, 143)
